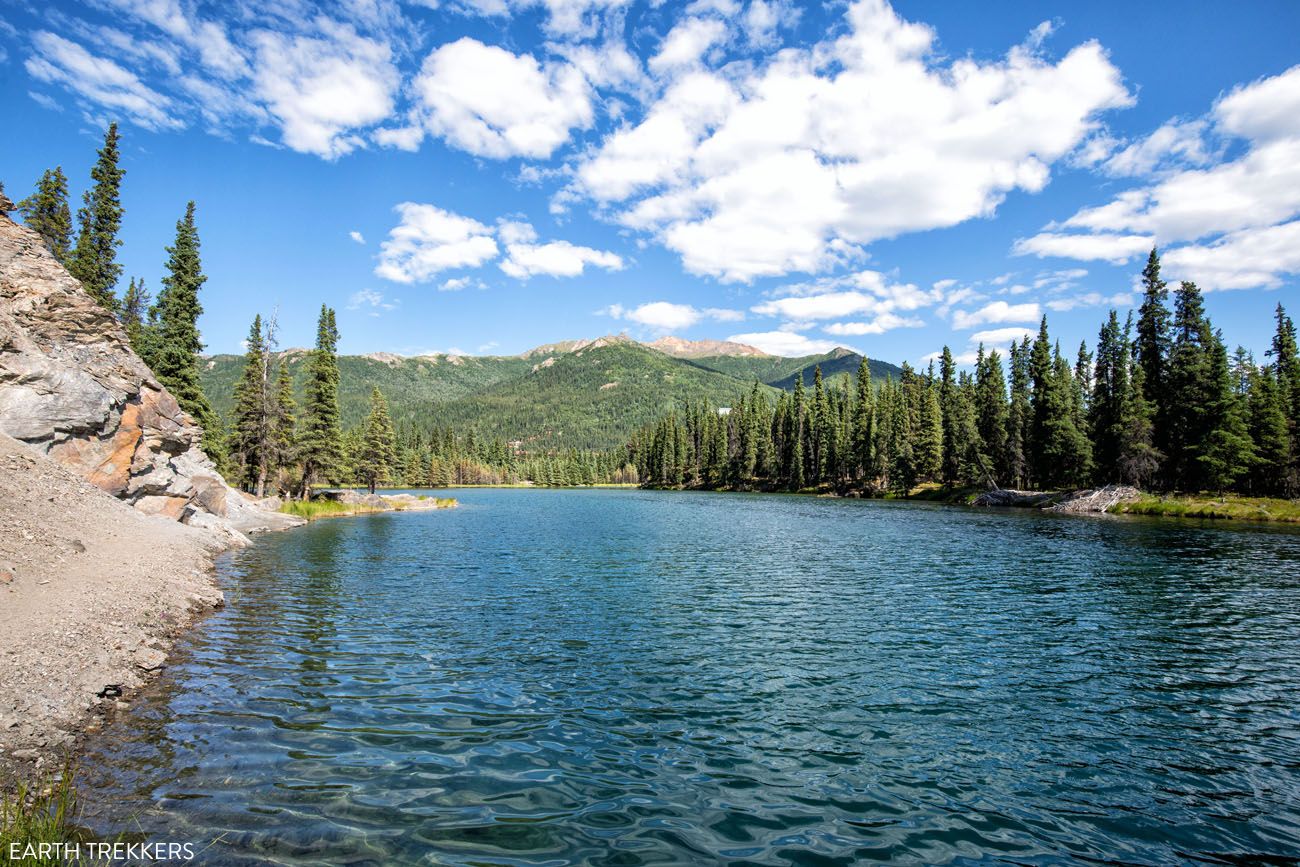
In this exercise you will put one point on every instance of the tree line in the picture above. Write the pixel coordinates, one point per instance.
(1158, 403)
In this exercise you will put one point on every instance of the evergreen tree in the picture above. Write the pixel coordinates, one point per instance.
(1110, 394)
(949, 412)
(252, 440)
(1226, 453)
(1286, 364)
(819, 430)
(863, 438)
(283, 446)
(46, 213)
(1272, 473)
(797, 457)
(94, 260)
(1153, 343)
(1139, 459)
(135, 306)
(991, 413)
(173, 351)
(928, 431)
(1186, 390)
(1019, 417)
(375, 464)
(320, 449)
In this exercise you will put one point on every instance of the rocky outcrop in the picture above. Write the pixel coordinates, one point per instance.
(71, 387)
(1090, 501)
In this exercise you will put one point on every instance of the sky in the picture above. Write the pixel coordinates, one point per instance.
(482, 176)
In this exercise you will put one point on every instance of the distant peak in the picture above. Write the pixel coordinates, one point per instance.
(567, 346)
(679, 347)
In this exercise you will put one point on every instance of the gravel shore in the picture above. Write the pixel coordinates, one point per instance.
(92, 594)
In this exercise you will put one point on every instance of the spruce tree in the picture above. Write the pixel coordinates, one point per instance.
(1042, 382)
(283, 441)
(94, 259)
(1019, 417)
(991, 413)
(863, 438)
(173, 351)
(135, 307)
(819, 430)
(1226, 452)
(1186, 391)
(1272, 473)
(1110, 392)
(795, 438)
(949, 413)
(251, 441)
(1286, 363)
(46, 213)
(1139, 460)
(320, 448)
(378, 458)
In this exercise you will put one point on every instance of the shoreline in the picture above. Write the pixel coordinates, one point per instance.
(93, 596)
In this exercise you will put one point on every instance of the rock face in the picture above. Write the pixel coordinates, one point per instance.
(71, 386)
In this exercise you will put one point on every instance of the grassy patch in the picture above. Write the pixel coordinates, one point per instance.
(1213, 507)
(313, 509)
(35, 815)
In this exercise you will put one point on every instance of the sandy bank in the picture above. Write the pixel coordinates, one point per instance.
(92, 594)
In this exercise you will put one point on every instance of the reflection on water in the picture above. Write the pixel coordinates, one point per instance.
(625, 677)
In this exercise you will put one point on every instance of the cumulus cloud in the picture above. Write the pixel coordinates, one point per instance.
(322, 89)
(99, 80)
(882, 323)
(429, 240)
(492, 103)
(995, 312)
(571, 19)
(795, 165)
(790, 344)
(667, 316)
(357, 236)
(556, 259)
(1104, 246)
(1225, 222)
(1002, 336)
(686, 44)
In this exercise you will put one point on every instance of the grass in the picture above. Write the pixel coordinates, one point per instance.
(311, 510)
(37, 815)
(1214, 507)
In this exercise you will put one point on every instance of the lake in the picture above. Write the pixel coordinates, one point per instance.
(631, 677)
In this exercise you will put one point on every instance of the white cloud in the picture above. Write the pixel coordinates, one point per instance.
(686, 44)
(323, 89)
(99, 80)
(785, 343)
(573, 19)
(1105, 246)
(372, 300)
(1090, 299)
(794, 165)
(1002, 336)
(1178, 141)
(667, 316)
(455, 284)
(829, 305)
(357, 236)
(492, 103)
(556, 259)
(882, 323)
(1226, 225)
(995, 312)
(1240, 260)
(429, 240)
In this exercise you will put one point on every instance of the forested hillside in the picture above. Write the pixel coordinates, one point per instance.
(571, 395)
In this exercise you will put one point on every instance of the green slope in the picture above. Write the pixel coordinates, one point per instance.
(411, 384)
(594, 398)
(551, 399)
(781, 372)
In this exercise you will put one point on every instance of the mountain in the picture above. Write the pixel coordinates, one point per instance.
(572, 394)
(680, 348)
(781, 372)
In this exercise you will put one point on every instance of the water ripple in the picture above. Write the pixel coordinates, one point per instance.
(559, 678)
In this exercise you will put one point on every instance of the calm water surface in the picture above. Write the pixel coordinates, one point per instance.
(627, 677)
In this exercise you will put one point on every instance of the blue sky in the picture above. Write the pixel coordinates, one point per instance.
(483, 176)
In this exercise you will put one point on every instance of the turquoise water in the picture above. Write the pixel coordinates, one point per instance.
(627, 677)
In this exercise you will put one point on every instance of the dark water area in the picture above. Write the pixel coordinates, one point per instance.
(629, 677)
